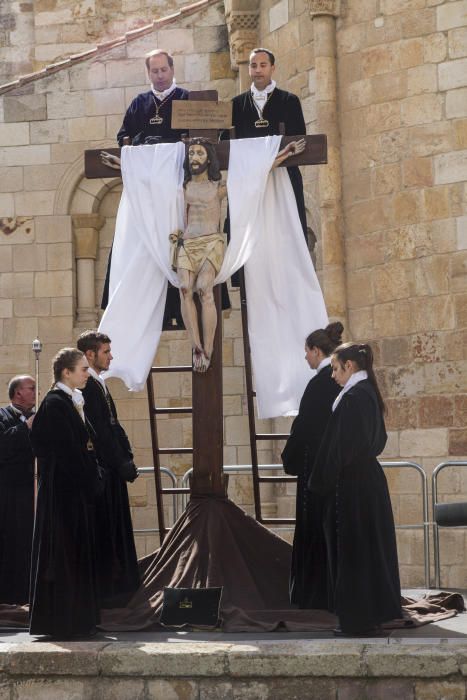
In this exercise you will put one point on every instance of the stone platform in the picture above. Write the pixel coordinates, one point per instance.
(427, 663)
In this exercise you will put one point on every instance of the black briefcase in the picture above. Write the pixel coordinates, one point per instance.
(191, 607)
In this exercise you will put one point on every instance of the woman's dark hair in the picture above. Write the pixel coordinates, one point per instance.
(214, 172)
(66, 358)
(326, 339)
(362, 355)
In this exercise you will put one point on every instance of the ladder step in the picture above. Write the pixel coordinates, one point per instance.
(172, 368)
(278, 479)
(175, 489)
(272, 436)
(175, 450)
(278, 521)
(173, 409)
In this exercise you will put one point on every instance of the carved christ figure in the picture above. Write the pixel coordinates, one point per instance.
(198, 251)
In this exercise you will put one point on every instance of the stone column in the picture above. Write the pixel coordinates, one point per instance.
(86, 237)
(324, 14)
(242, 25)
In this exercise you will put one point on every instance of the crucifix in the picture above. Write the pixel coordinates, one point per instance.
(208, 476)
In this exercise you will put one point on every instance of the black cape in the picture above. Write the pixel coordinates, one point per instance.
(116, 554)
(64, 595)
(136, 125)
(282, 107)
(16, 507)
(308, 579)
(363, 573)
(136, 122)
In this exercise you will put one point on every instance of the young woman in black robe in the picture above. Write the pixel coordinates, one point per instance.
(64, 596)
(363, 573)
(308, 571)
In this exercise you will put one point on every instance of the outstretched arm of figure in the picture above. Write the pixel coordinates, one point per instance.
(294, 148)
(111, 161)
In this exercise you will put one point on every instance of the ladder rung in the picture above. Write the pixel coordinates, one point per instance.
(176, 489)
(172, 368)
(277, 521)
(173, 409)
(272, 436)
(279, 479)
(175, 450)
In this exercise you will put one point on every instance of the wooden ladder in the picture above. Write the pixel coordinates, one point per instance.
(255, 437)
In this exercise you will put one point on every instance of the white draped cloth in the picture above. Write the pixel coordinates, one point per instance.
(285, 302)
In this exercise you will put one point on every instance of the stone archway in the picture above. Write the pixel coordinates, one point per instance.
(80, 198)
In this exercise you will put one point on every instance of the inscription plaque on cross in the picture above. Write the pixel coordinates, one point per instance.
(208, 475)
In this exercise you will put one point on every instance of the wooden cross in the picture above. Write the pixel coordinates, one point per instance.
(208, 475)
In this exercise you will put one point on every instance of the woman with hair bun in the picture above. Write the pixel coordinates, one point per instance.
(363, 573)
(64, 600)
(308, 571)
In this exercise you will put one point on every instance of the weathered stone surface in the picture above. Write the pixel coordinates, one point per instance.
(192, 660)
(450, 15)
(174, 690)
(448, 690)
(458, 442)
(24, 155)
(421, 661)
(320, 658)
(451, 167)
(24, 108)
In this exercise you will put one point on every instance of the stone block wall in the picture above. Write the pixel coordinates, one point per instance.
(402, 114)
(49, 214)
(403, 120)
(402, 95)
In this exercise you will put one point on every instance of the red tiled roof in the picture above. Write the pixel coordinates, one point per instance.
(104, 46)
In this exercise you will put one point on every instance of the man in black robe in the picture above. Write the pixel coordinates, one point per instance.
(116, 554)
(148, 120)
(16, 490)
(263, 108)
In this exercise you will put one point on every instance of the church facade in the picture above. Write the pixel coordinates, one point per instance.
(386, 80)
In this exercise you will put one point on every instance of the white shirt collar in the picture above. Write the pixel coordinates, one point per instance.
(351, 381)
(260, 97)
(162, 95)
(76, 396)
(263, 93)
(97, 376)
(325, 362)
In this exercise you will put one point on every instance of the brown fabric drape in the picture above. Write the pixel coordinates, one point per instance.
(214, 543)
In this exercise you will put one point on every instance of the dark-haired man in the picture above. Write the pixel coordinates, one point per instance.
(16, 490)
(148, 118)
(260, 110)
(117, 561)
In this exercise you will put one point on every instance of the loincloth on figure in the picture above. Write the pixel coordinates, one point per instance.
(191, 253)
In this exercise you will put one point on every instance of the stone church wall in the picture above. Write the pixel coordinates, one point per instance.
(56, 228)
(388, 212)
(402, 119)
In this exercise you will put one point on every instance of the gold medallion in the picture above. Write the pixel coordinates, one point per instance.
(261, 123)
(156, 120)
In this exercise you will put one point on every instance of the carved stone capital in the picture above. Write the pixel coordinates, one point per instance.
(324, 7)
(241, 45)
(243, 35)
(86, 234)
